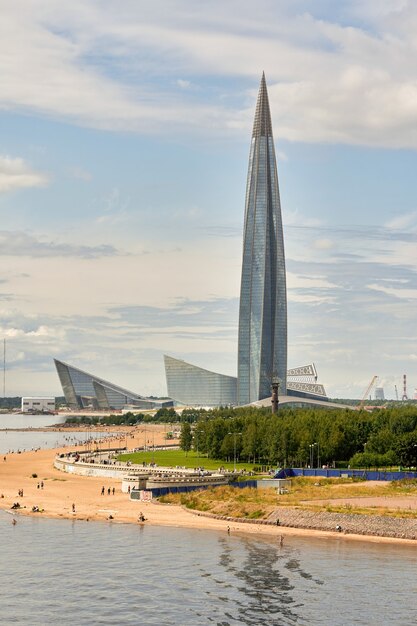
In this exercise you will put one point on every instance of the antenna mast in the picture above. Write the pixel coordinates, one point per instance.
(4, 369)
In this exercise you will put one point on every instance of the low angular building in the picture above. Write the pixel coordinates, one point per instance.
(85, 391)
(194, 386)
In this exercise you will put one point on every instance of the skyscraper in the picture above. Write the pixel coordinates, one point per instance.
(262, 349)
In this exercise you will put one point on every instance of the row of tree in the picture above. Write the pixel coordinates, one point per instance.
(301, 437)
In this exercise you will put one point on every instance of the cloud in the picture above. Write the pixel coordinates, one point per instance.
(16, 174)
(18, 243)
(347, 77)
(184, 84)
(323, 244)
(42, 333)
(407, 220)
(406, 294)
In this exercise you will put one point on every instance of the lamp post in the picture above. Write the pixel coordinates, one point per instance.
(312, 446)
(234, 449)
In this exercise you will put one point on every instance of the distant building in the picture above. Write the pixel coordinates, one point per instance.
(379, 393)
(38, 404)
(86, 391)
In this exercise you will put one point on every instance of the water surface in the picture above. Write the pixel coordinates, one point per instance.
(29, 440)
(64, 572)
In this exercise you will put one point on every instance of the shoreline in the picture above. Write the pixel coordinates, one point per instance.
(61, 490)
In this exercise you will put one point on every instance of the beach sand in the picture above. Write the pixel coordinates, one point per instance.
(62, 490)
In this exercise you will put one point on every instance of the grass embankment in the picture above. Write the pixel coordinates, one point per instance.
(230, 501)
(259, 503)
(174, 458)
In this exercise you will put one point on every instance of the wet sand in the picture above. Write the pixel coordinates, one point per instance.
(62, 490)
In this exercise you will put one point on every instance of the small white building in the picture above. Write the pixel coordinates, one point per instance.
(38, 404)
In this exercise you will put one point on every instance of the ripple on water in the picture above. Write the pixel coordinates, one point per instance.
(63, 572)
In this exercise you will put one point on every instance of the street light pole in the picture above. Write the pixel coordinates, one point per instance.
(234, 450)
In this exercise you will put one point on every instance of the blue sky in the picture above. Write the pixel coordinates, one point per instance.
(124, 138)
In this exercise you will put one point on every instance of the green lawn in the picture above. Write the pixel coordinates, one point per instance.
(171, 458)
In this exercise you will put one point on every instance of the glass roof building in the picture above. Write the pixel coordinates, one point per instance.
(262, 348)
(195, 386)
(85, 391)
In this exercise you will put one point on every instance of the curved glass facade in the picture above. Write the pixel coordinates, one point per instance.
(195, 386)
(262, 349)
(83, 390)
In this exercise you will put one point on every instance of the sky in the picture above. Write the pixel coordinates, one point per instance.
(124, 142)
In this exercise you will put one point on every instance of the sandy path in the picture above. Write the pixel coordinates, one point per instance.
(61, 490)
(389, 502)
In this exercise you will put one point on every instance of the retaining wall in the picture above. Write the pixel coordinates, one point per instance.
(374, 525)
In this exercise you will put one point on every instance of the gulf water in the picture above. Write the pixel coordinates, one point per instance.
(84, 573)
(11, 440)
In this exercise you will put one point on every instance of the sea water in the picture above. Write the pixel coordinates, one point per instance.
(28, 440)
(95, 573)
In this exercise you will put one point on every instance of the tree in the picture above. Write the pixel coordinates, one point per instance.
(186, 437)
(406, 449)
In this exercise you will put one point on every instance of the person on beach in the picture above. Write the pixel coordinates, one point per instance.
(113, 490)
(102, 491)
(42, 484)
(73, 507)
(108, 491)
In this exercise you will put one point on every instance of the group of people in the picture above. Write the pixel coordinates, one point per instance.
(109, 491)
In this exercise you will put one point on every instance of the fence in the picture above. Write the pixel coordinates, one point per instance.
(346, 473)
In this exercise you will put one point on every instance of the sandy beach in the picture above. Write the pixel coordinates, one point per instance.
(60, 491)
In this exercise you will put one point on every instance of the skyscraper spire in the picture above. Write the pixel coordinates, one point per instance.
(262, 125)
(262, 350)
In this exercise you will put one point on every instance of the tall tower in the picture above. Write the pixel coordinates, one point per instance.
(262, 349)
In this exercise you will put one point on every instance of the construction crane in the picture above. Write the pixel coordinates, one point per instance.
(367, 392)
(396, 392)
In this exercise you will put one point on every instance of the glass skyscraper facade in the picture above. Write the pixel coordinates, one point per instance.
(262, 348)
